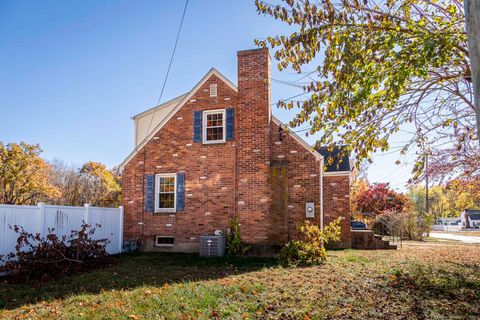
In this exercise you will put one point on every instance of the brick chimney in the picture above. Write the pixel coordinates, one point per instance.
(253, 150)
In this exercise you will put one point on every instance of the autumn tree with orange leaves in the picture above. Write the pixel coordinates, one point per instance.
(24, 175)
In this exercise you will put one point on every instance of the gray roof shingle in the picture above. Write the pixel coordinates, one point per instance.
(341, 161)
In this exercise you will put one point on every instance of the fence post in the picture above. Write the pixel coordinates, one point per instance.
(41, 207)
(86, 217)
(120, 233)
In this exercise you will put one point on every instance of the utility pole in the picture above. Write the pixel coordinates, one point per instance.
(421, 215)
(472, 22)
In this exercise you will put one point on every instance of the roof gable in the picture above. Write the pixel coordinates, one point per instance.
(298, 138)
(182, 100)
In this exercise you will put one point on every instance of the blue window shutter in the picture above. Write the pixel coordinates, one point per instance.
(149, 192)
(230, 123)
(197, 126)
(180, 191)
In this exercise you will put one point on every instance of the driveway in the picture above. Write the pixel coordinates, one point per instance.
(453, 236)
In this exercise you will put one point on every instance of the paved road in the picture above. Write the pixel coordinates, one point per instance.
(452, 236)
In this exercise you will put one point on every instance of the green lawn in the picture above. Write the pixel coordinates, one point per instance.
(421, 281)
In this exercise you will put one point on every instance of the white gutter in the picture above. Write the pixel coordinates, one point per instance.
(337, 173)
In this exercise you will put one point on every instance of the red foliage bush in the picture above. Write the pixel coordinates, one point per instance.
(52, 257)
(379, 198)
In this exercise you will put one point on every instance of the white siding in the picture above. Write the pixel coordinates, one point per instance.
(147, 121)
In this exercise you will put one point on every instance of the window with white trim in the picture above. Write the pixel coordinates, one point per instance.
(165, 192)
(214, 126)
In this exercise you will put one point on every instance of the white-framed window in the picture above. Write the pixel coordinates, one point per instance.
(213, 90)
(165, 192)
(214, 126)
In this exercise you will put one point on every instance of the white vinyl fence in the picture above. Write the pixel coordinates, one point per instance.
(64, 219)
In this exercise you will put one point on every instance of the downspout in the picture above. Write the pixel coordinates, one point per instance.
(321, 192)
(141, 223)
(234, 180)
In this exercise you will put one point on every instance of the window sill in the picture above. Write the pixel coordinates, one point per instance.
(214, 142)
(166, 211)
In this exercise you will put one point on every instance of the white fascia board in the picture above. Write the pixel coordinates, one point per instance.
(336, 173)
(160, 106)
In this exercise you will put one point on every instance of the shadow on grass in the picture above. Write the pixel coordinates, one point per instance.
(132, 270)
(437, 283)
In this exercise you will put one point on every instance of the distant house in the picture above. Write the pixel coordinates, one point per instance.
(470, 219)
(449, 221)
(448, 224)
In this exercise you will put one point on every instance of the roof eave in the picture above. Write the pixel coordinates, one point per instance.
(160, 106)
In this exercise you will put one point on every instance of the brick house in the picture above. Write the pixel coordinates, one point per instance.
(217, 151)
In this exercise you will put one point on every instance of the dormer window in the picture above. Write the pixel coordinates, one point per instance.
(214, 126)
(213, 90)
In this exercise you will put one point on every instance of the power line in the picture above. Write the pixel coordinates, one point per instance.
(169, 65)
(290, 98)
(307, 75)
(287, 83)
(392, 151)
(173, 53)
(305, 129)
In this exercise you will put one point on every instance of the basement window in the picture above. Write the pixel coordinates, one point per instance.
(214, 126)
(162, 241)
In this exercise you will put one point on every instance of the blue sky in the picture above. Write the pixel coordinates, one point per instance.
(72, 73)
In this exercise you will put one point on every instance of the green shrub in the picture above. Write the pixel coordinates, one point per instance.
(310, 248)
(234, 240)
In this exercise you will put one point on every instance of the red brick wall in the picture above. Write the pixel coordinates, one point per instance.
(336, 203)
(211, 181)
(303, 185)
(303, 180)
(209, 184)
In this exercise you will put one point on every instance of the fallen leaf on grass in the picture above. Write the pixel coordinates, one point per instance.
(214, 314)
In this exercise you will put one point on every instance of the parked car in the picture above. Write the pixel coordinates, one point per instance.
(358, 225)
